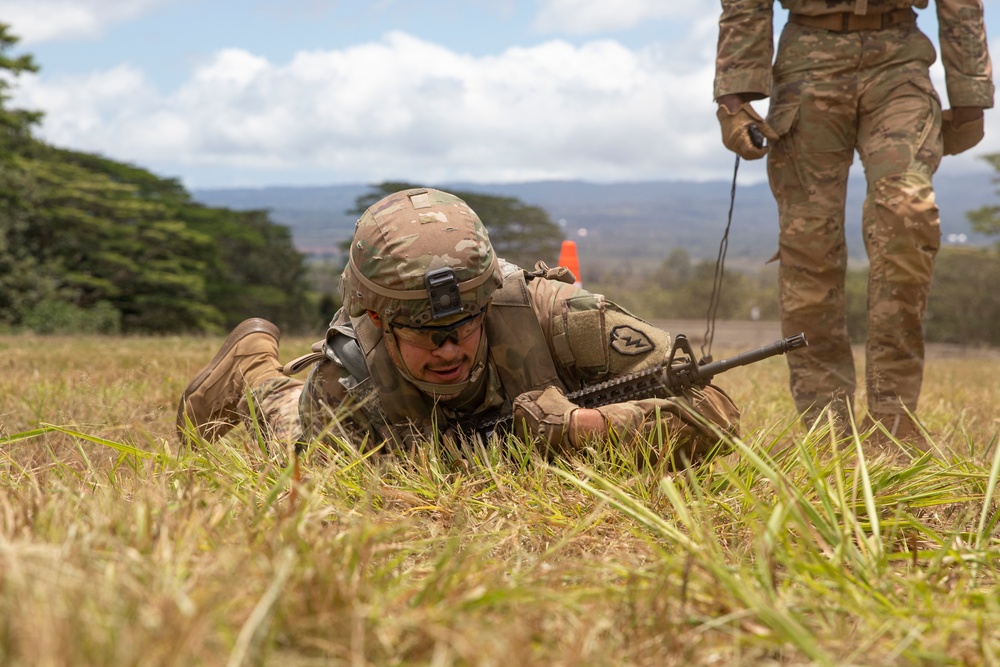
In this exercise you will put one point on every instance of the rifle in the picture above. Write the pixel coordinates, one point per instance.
(675, 376)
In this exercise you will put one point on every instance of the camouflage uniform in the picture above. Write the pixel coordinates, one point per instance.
(539, 331)
(834, 91)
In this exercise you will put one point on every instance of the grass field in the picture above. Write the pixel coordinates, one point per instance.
(117, 547)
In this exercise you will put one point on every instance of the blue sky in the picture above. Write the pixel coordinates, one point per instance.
(310, 92)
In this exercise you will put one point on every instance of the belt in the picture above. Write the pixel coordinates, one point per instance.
(848, 22)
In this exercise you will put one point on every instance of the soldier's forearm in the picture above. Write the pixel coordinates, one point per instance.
(964, 53)
(745, 49)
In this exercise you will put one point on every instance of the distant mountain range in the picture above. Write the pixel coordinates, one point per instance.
(639, 222)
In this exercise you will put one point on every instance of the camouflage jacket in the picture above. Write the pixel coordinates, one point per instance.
(746, 44)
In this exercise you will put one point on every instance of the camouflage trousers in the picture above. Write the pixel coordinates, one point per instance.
(834, 94)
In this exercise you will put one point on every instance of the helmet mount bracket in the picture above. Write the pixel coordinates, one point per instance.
(443, 293)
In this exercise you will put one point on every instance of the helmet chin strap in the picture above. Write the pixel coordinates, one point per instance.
(444, 392)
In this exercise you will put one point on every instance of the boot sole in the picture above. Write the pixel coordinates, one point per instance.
(242, 330)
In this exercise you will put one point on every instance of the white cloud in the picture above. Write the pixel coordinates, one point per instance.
(407, 108)
(588, 17)
(403, 107)
(37, 21)
(86, 112)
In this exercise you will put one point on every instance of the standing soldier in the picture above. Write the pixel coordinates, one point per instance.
(853, 75)
(436, 328)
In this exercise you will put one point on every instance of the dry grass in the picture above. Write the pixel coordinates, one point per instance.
(119, 548)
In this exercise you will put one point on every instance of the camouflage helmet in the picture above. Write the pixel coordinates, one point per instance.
(417, 256)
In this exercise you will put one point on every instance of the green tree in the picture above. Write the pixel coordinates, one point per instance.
(100, 242)
(261, 273)
(681, 288)
(22, 281)
(105, 232)
(15, 124)
(240, 262)
(675, 271)
(235, 264)
(964, 304)
(520, 233)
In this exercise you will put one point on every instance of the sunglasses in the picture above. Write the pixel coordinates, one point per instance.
(433, 337)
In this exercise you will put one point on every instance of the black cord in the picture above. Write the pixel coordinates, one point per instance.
(720, 267)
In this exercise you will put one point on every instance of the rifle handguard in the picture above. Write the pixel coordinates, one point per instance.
(629, 387)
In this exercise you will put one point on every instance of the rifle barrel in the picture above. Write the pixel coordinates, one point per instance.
(778, 347)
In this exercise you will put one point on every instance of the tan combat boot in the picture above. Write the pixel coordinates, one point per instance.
(248, 357)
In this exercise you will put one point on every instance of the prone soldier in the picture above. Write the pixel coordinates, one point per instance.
(436, 328)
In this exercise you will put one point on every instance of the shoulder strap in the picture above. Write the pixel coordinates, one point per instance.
(340, 346)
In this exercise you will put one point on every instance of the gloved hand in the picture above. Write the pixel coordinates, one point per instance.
(736, 131)
(963, 136)
(546, 414)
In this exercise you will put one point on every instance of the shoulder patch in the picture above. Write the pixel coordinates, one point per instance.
(629, 340)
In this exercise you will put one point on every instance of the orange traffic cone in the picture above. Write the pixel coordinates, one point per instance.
(568, 258)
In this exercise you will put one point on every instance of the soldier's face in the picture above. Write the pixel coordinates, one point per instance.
(449, 363)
